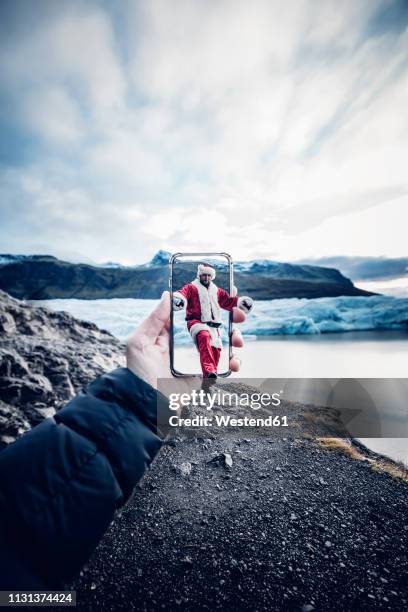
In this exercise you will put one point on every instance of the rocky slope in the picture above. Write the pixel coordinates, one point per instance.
(45, 358)
(45, 277)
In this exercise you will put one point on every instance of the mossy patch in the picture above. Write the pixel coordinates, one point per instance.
(340, 445)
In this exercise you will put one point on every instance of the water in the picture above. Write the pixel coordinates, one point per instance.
(372, 355)
(355, 354)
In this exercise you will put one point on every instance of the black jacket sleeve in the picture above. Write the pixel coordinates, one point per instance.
(61, 482)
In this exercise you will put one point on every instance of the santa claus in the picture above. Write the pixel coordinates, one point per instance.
(203, 301)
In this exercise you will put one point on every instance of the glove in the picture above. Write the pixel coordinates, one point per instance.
(178, 303)
(245, 303)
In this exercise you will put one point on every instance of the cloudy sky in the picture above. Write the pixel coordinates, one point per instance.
(265, 129)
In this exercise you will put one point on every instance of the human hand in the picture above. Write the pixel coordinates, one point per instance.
(148, 348)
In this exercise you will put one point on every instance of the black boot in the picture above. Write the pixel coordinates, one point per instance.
(209, 381)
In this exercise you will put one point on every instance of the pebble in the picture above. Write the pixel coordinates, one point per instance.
(228, 460)
(185, 468)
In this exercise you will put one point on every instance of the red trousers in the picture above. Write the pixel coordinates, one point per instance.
(209, 355)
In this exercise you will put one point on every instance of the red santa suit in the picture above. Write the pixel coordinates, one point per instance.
(203, 305)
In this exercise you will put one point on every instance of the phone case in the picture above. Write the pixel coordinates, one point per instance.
(173, 258)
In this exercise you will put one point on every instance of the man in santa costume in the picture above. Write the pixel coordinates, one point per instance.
(203, 301)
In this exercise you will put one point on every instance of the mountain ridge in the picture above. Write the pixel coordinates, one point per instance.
(47, 277)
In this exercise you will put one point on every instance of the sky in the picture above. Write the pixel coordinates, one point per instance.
(264, 129)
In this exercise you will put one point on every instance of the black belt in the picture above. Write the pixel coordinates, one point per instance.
(209, 323)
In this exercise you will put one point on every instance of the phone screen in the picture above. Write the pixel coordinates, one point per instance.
(201, 285)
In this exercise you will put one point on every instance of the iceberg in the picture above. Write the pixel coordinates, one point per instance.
(327, 315)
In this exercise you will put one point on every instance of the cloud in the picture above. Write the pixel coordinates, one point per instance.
(205, 52)
(260, 128)
(366, 268)
(37, 211)
(54, 116)
(74, 48)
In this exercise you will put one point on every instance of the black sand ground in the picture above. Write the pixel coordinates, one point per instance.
(289, 526)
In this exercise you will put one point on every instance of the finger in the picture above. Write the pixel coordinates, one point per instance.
(234, 291)
(236, 338)
(235, 364)
(167, 325)
(157, 320)
(163, 340)
(238, 316)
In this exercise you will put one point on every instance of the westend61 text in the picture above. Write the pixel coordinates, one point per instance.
(228, 421)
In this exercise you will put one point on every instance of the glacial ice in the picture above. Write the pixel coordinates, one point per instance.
(272, 317)
(323, 315)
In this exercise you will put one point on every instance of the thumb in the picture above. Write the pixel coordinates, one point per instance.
(157, 320)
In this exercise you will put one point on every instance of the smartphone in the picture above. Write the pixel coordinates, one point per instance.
(201, 328)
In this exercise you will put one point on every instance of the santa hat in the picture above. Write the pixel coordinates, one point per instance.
(205, 268)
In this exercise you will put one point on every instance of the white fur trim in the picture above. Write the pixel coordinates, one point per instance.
(242, 306)
(205, 269)
(215, 338)
(180, 296)
(208, 301)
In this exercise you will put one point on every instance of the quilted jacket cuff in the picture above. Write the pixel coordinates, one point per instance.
(123, 387)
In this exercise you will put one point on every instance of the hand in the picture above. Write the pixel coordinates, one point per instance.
(147, 349)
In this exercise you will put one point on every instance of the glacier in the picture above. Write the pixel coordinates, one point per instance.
(290, 316)
(327, 315)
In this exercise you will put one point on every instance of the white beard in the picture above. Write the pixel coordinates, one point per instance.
(208, 301)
